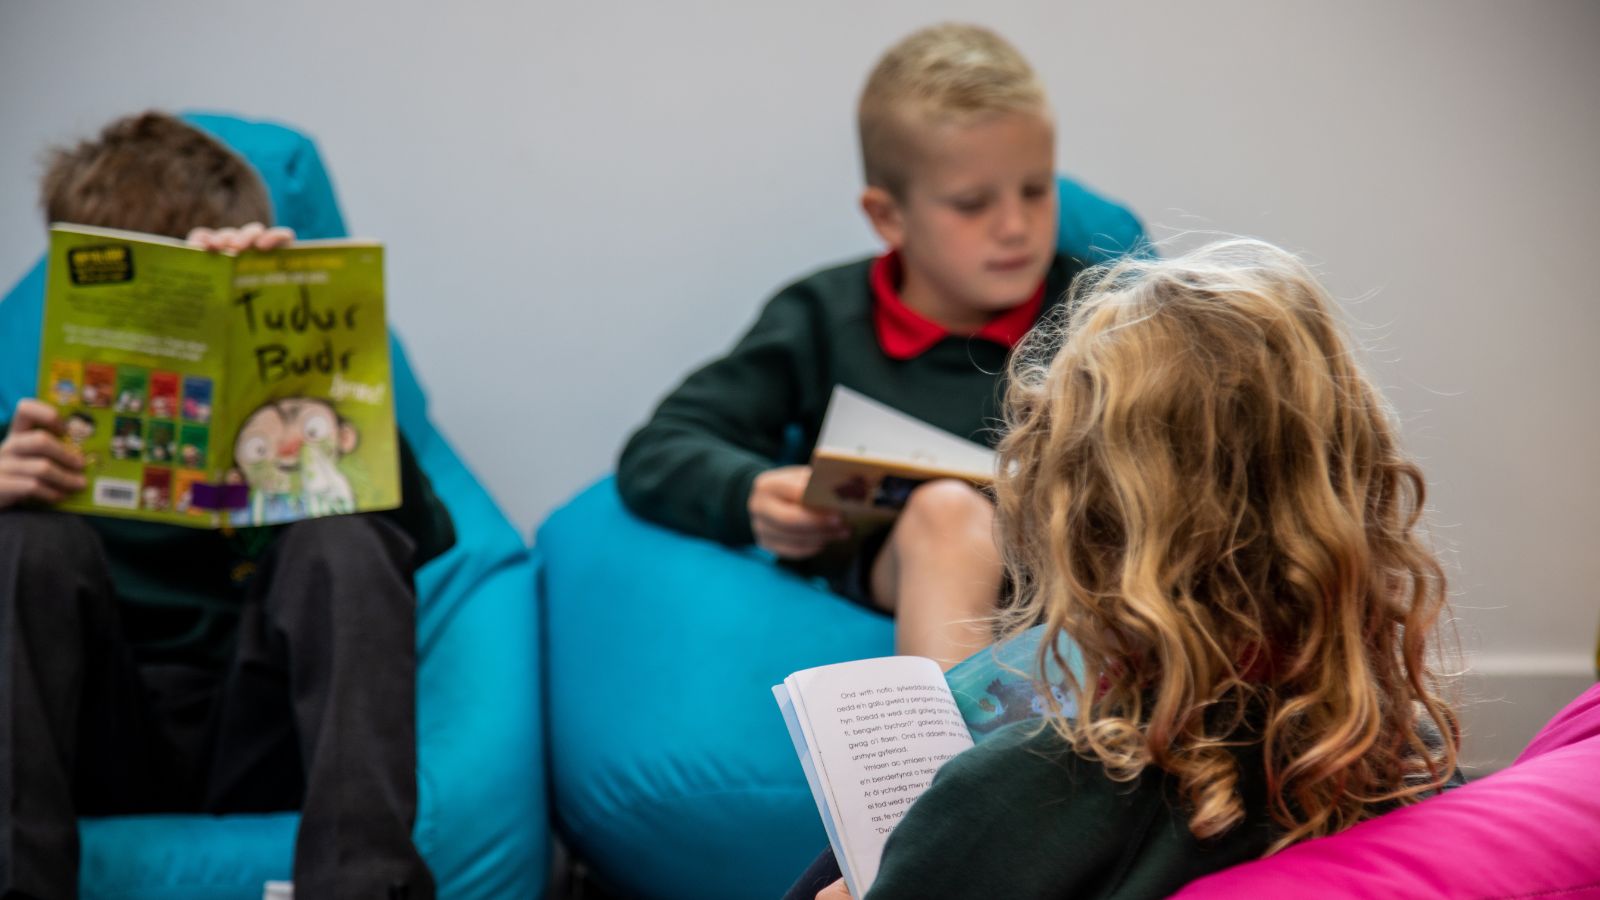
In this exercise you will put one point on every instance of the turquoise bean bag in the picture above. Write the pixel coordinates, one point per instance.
(671, 771)
(481, 817)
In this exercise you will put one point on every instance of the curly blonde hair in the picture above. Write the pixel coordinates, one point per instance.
(1204, 492)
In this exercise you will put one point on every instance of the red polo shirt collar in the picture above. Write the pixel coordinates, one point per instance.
(903, 333)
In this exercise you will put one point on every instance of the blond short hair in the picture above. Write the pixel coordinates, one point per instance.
(941, 74)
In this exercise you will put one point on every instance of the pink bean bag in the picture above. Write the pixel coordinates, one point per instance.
(1530, 830)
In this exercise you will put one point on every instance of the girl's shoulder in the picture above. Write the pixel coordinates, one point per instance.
(1048, 821)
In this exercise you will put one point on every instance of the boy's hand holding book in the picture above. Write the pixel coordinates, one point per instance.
(785, 526)
(35, 464)
(254, 236)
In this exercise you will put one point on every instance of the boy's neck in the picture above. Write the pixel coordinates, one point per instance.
(921, 298)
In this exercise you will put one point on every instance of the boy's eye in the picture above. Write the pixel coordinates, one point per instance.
(1035, 191)
(969, 205)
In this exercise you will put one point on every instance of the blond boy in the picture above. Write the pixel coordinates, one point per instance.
(958, 149)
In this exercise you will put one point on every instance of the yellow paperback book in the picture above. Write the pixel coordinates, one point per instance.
(212, 389)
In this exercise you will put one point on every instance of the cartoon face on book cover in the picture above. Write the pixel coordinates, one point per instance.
(289, 453)
(309, 387)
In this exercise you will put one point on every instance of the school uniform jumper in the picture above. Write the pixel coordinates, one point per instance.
(692, 465)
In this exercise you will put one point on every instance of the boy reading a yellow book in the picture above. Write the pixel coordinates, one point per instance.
(958, 148)
(155, 668)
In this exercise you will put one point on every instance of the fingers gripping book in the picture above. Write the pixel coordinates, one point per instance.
(872, 733)
(213, 389)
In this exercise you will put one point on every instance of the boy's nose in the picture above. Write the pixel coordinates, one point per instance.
(1011, 220)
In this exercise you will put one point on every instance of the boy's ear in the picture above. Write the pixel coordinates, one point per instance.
(883, 211)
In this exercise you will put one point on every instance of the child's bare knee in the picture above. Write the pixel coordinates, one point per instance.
(947, 505)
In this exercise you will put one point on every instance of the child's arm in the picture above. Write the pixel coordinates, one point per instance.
(693, 465)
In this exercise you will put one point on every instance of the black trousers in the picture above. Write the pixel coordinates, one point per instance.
(315, 712)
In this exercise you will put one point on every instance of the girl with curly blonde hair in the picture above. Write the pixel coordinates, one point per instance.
(1201, 490)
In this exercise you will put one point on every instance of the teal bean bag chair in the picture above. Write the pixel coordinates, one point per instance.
(671, 771)
(481, 817)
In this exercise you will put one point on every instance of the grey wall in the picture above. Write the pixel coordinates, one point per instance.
(582, 200)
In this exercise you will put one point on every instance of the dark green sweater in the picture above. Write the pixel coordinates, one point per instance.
(1021, 815)
(691, 466)
(180, 588)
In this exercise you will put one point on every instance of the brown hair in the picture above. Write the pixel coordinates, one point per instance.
(152, 172)
(944, 73)
(1201, 488)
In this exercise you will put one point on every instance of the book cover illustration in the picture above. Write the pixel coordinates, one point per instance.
(870, 457)
(1000, 685)
(212, 389)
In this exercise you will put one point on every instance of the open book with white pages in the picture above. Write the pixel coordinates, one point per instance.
(871, 733)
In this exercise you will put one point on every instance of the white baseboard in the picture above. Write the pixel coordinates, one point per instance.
(1507, 698)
